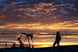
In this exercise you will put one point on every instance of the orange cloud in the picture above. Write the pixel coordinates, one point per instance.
(40, 26)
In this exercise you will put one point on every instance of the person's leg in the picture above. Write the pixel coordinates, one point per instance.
(54, 44)
(58, 43)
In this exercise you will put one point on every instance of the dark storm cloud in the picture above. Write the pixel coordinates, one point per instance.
(18, 14)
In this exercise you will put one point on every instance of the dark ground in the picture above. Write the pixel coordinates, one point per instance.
(72, 48)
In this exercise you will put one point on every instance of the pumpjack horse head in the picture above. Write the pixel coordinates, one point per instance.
(28, 35)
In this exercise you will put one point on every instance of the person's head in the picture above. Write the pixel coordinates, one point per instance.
(58, 32)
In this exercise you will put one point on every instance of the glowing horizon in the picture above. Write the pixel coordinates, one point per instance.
(45, 41)
(40, 45)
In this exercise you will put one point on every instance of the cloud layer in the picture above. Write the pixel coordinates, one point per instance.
(43, 15)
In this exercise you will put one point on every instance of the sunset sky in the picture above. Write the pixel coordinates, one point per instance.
(39, 16)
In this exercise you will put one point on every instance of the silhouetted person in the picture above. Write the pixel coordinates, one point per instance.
(21, 44)
(57, 40)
